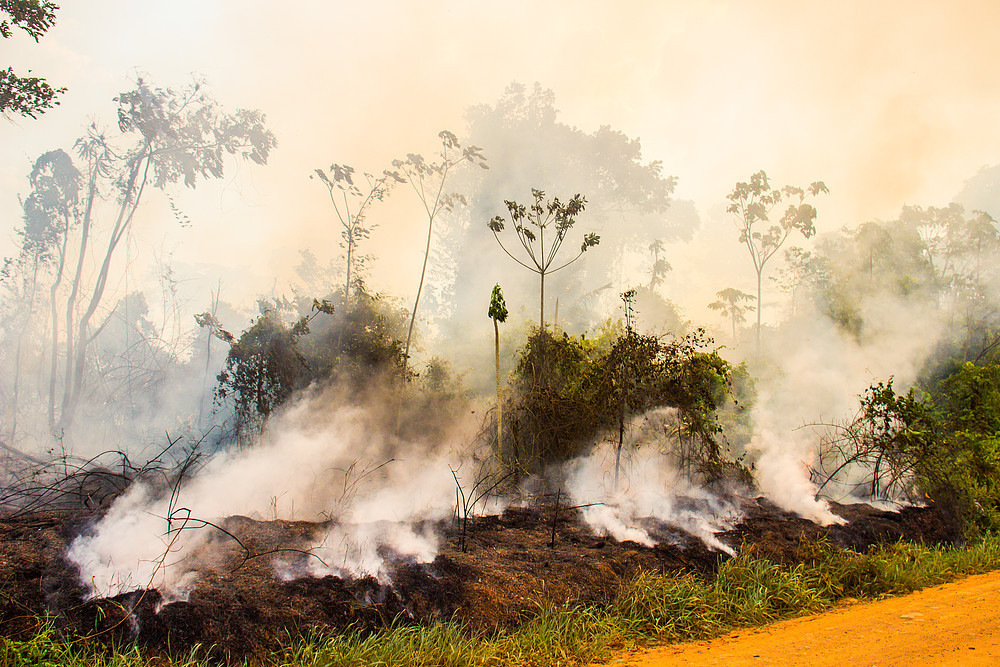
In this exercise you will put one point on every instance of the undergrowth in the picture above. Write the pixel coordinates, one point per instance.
(746, 591)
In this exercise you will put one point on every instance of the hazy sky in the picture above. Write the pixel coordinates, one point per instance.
(888, 102)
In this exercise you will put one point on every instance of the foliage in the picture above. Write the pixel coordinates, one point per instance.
(362, 339)
(26, 95)
(530, 224)
(263, 367)
(351, 202)
(569, 390)
(498, 308)
(68, 258)
(352, 344)
(752, 203)
(943, 447)
(732, 304)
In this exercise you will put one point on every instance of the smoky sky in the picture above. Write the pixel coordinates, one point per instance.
(889, 103)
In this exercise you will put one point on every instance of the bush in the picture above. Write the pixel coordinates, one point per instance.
(942, 447)
(569, 390)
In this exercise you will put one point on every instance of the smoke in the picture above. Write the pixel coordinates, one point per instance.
(648, 486)
(322, 459)
(819, 372)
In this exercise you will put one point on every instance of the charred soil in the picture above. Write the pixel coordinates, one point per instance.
(241, 608)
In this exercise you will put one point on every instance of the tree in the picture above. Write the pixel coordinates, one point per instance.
(428, 180)
(263, 367)
(660, 266)
(166, 136)
(351, 203)
(498, 313)
(732, 304)
(51, 212)
(530, 224)
(27, 95)
(752, 203)
(531, 146)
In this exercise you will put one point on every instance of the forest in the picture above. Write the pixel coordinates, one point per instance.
(548, 413)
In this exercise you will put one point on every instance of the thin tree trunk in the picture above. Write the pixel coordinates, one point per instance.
(541, 302)
(125, 213)
(759, 309)
(416, 301)
(350, 249)
(496, 349)
(54, 312)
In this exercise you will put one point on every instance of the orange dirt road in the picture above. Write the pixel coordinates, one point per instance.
(951, 624)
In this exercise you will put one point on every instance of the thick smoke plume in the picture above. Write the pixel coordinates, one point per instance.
(323, 459)
(819, 371)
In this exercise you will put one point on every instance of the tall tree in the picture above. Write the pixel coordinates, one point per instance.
(166, 136)
(351, 202)
(26, 95)
(733, 304)
(530, 224)
(428, 181)
(753, 203)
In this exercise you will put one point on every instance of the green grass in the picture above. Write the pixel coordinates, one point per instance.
(746, 591)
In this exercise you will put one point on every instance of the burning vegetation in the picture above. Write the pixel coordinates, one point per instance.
(340, 460)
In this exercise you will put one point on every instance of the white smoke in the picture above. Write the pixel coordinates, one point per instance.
(822, 371)
(319, 461)
(649, 487)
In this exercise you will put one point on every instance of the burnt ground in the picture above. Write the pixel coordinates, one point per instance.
(509, 567)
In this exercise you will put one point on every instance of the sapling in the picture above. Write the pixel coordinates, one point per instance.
(498, 313)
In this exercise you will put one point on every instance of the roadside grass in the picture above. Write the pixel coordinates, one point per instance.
(654, 608)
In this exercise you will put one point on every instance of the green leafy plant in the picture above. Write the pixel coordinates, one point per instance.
(530, 224)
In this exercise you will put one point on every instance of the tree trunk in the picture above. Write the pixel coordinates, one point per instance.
(83, 339)
(541, 302)
(416, 301)
(496, 349)
(760, 307)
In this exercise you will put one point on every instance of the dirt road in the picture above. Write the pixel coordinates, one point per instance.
(951, 624)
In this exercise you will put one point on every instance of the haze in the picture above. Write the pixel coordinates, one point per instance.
(889, 104)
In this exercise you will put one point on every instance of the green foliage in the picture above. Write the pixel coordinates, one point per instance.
(355, 342)
(498, 307)
(262, 369)
(361, 340)
(943, 447)
(571, 389)
(26, 95)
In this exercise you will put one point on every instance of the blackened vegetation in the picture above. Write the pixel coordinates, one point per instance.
(241, 608)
